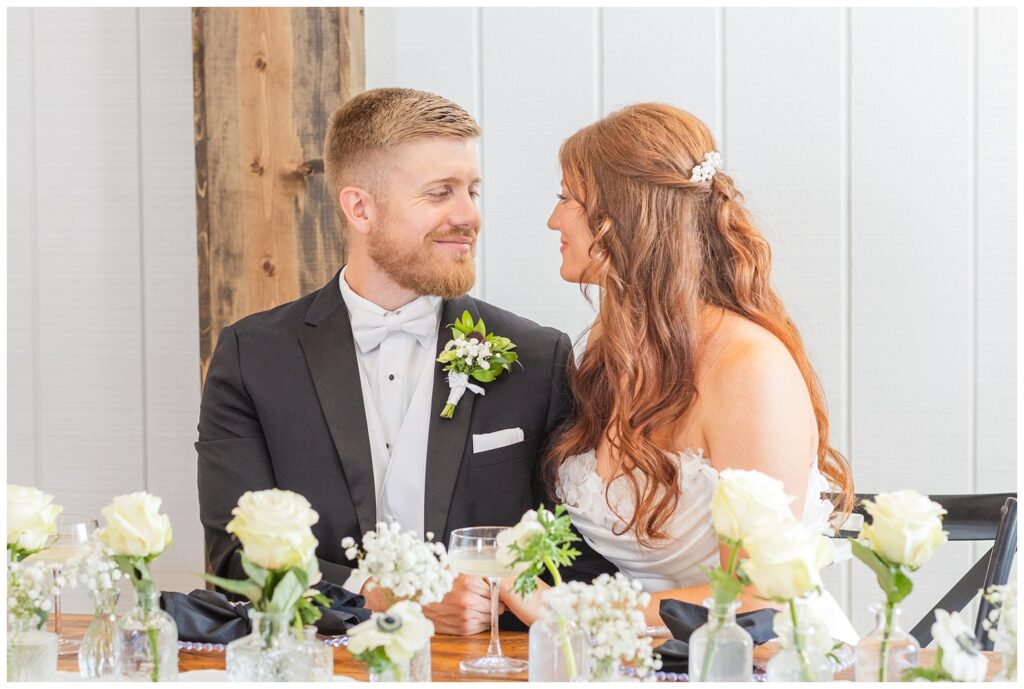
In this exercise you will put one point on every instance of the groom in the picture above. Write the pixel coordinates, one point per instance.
(337, 395)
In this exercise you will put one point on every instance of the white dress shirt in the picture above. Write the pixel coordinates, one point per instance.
(393, 367)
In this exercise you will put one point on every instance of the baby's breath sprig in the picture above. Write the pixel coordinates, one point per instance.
(473, 353)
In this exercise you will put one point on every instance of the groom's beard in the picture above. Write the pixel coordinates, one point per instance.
(419, 268)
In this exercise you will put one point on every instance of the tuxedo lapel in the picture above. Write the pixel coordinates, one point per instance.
(331, 356)
(446, 438)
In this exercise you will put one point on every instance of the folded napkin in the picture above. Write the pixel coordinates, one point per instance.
(683, 618)
(208, 617)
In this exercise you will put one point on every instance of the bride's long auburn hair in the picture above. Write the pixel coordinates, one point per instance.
(664, 247)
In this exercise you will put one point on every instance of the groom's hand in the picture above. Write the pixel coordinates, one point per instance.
(466, 609)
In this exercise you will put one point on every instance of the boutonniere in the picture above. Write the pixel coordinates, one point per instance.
(473, 352)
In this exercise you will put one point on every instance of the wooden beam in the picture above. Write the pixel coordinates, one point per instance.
(266, 81)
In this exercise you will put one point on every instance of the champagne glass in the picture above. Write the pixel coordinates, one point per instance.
(474, 551)
(73, 533)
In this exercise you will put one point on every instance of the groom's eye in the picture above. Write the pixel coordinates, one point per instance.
(439, 193)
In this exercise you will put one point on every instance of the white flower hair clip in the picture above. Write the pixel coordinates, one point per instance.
(706, 170)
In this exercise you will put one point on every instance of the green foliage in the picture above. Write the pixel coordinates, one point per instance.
(376, 660)
(549, 548)
(725, 587)
(893, 581)
(928, 674)
(501, 359)
(272, 590)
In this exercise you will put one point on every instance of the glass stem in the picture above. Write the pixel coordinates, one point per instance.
(494, 648)
(57, 626)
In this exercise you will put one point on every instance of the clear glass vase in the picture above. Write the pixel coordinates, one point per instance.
(721, 650)
(147, 641)
(31, 652)
(417, 669)
(887, 639)
(558, 652)
(272, 652)
(321, 656)
(801, 658)
(96, 656)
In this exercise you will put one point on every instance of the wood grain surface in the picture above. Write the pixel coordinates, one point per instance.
(266, 81)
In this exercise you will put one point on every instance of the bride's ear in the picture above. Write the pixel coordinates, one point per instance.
(357, 205)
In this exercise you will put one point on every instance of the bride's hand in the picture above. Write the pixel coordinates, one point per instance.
(527, 609)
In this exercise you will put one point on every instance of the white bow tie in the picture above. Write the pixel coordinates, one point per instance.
(416, 318)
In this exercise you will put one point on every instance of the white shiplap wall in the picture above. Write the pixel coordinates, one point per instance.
(876, 148)
(103, 375)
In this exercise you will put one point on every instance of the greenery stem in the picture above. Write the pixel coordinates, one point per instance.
(883, 668)
(563, 632)
(709, 652)
(798, 645)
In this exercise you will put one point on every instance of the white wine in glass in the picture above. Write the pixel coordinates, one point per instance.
(73, 534)
(474, 551)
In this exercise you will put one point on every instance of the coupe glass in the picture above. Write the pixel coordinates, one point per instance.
(474, 551)
(73, 534)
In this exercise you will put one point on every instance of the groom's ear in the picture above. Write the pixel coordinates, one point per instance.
(357, 205)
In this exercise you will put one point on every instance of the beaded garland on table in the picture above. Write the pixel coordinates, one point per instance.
(193, 646)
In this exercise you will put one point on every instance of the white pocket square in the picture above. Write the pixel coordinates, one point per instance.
(482, 442)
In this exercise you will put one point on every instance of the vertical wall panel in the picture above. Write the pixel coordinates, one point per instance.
(784, 100)
(912, 262)
(996, 351)
(168, 266)
(541, 64)
(663, 55)
(21, 369)
(90, 339)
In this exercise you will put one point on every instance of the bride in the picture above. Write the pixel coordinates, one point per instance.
(691, 367)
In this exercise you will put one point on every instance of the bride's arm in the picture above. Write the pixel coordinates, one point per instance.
(527, 609)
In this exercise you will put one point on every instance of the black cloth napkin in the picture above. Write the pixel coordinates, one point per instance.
(682, 618)
(208, 617)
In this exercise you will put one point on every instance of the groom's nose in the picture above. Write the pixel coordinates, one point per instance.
(465, 212)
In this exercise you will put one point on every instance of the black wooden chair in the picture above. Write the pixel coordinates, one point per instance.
(982, 517)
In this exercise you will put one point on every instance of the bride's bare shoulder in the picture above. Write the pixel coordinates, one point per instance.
(738, 354)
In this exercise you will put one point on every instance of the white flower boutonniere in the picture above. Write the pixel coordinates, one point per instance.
(473, 353)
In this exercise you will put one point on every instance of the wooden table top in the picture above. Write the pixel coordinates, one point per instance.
(446, 653)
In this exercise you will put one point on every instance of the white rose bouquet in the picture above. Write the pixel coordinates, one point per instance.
(744, 503)
(278, 554)
(473, 353)
(785, 563)
(957, 657)
(136, 533)
(905, 530)
(387, 641)
(610, 611)
(402, 565)
(31, 521)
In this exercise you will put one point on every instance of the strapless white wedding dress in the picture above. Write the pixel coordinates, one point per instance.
(673, 563)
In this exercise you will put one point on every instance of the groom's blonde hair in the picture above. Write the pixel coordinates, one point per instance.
(363, 130)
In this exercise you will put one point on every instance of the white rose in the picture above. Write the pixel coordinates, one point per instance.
(746, 501)
(31, 517)
(402, 631)
(906, 527)
(786, 560)
(808, 618)
(520, 534)
(135, 526)
(960, 655)
(274, 528)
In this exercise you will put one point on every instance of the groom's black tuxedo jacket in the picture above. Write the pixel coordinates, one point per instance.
(282, 407)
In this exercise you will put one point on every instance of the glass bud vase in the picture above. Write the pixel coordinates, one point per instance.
(96, 656)
(901, 648)
(801, 658)
(147, 641)
(321, 656)
(721, 650)
(557, 656)
(270, 653)
(394, 672)
(419, 667)
(31, 652)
